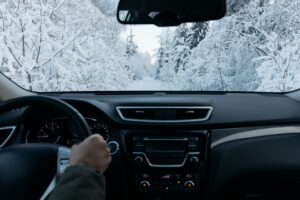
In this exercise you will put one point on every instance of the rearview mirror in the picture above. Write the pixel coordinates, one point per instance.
(169, 12)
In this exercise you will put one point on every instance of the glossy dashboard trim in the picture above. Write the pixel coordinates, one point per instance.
(209, 108)
(257, 133)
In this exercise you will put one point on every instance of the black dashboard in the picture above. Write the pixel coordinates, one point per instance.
(229, 109)
(179, 145)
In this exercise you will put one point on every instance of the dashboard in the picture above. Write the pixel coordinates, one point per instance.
(180, 146)
(54, 131)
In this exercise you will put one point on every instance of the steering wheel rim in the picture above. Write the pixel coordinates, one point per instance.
(70, 111)
(26, 165)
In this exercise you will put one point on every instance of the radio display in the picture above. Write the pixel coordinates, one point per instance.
(165, 146)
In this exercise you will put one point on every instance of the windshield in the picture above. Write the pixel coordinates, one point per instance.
(78, 45)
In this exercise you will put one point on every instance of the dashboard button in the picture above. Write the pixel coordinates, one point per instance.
(145, 175)
(166, 188)
(188, 175)
(178, 176)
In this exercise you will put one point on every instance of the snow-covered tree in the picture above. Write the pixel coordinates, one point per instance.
(197, 33)
(131, 47)
(280, 63)
(59, 45)
(62, 45)
(166, 60)
(236, 52)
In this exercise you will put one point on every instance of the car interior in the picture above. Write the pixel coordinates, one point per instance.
(165, 145)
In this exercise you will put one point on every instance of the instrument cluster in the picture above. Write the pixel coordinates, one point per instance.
(63, 131)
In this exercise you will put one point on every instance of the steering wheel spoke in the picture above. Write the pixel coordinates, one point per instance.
(63, 161)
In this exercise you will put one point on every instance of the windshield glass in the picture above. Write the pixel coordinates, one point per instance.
(78, 45)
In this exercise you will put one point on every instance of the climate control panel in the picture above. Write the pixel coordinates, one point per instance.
(179, 182)
(166, 163)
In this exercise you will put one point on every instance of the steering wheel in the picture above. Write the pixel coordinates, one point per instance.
(27, 170)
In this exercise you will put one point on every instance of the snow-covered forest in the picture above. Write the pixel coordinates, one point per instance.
(76, 45)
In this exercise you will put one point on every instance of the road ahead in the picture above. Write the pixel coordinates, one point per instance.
(148, 83)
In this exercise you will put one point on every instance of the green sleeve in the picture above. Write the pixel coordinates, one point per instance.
(79, 182)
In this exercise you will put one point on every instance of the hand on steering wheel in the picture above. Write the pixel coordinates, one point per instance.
(29, 168)
(93, 151)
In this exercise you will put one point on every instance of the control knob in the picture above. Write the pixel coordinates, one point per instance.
(113, 147)
(144, 186)
(189, 186)
(194, 160)
(138, 160)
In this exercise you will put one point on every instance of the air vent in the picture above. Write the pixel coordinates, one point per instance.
(5, 134)
(161, 114)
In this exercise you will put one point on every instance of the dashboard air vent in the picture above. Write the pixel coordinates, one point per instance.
(5, 134)
(170, 114)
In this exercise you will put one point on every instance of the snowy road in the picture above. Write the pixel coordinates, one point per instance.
(147, 83)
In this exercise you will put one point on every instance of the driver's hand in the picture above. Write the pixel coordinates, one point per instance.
(93, 151)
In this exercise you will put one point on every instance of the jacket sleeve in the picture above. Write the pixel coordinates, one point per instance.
(79, 182)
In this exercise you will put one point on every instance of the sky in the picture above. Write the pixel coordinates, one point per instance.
(146, 38)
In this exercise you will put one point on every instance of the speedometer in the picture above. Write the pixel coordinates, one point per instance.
(64, 131)
(99, 127)
(48, 133)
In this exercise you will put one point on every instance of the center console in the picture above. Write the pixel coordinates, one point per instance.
(166, 163)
